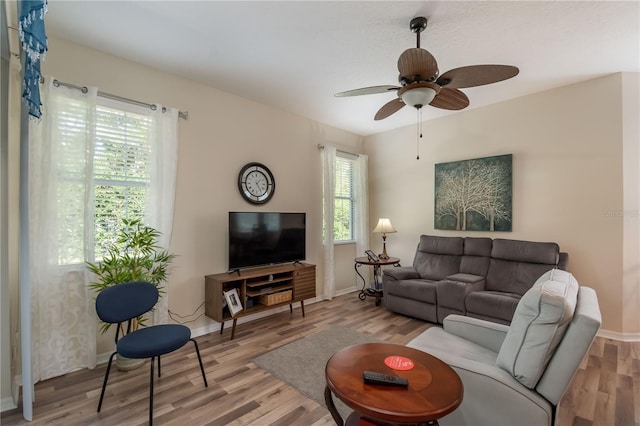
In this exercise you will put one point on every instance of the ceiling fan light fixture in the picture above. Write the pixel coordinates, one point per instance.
(418, 97)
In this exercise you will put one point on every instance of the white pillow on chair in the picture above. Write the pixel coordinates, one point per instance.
(538, 325)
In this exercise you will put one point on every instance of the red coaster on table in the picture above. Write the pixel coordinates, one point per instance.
(400, 363)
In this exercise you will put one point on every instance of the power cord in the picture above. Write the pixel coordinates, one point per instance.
(172, 315)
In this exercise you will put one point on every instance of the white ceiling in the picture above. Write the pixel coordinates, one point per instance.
(296, 55)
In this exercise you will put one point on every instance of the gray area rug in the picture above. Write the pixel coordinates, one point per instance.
(301, 363)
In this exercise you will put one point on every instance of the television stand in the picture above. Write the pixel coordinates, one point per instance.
(260, 289)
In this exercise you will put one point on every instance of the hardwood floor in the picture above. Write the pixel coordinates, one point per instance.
(605, 391)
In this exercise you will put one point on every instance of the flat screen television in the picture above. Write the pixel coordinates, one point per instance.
(264, 238)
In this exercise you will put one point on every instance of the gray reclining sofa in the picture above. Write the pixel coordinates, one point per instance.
(478, 277)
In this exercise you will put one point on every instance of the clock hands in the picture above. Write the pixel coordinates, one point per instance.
(256, 183)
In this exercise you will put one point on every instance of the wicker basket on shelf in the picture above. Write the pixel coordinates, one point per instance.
(273, 298)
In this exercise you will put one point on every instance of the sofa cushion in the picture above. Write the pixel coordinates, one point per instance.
(475, 265)
(441, 245)
(492, 304)
(538, 325)
(437, 341)
(422, 290)
(477, 252)
(525, 251)
(438, 257)
(474, 246)
(514, 277)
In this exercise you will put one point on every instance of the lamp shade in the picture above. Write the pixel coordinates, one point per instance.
(384, 226)
(418, 97)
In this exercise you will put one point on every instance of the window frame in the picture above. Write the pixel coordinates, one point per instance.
(93, 245)
(351, 198)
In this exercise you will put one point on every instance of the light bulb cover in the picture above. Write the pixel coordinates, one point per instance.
(418, 97)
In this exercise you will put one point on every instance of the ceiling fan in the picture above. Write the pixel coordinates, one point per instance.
(422, 84)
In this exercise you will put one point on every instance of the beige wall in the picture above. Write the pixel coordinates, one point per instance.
(630, 297)
(567, 147)
(223, 133)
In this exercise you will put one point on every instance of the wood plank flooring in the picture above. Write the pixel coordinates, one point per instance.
(605, 390)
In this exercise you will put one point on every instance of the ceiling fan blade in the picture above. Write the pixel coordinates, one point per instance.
(389, 108)
(476, 75)
(367, 91)
(452, 99)
(417, 64)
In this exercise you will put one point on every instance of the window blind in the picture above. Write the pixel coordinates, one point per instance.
(115, 164)
(344, 198)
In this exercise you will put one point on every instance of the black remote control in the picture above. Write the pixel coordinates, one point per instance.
(374, 378)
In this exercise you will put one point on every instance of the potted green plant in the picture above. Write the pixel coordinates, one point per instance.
(135, 255)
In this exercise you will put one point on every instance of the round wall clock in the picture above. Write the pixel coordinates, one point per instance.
(256, 183)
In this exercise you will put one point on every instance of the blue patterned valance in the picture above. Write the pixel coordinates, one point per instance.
(34, 44)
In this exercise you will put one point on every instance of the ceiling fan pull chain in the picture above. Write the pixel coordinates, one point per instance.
(419, 133)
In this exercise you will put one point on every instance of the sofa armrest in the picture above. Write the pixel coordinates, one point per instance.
(451, 293)
(468, 279)
(484, 333)
(400, 273)
(493, 397)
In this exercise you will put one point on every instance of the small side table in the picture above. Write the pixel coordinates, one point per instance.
(376, 291)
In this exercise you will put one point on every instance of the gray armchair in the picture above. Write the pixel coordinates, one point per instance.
(517, 374)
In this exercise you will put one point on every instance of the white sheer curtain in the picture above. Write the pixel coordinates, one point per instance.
(328, 192)
(361, 212)
(362, 204)
(61, 223)
(63, 318)
(162, 186)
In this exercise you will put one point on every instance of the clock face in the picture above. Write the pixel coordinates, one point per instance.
(256, 183)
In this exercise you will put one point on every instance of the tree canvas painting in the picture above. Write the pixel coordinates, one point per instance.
(474, 195)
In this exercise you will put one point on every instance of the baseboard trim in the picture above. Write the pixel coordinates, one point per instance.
(7, 404)
(11, 402)
(347, 291)
(623, 337)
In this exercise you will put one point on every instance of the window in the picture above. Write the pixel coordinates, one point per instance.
(344, 219)
(119, 165)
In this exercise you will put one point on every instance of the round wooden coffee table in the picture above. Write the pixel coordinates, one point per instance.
(434, 388)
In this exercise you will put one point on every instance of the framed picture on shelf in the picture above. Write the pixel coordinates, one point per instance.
(233, 301)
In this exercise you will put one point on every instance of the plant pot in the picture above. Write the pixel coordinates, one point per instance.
(128, 364)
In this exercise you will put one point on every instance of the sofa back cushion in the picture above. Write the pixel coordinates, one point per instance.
(572, 349)
(538, 325)
(477, 252)
(438, 257)
(515, 265)
(525, 251)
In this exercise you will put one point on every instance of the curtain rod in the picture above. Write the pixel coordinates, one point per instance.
(181, 114)
(320, 146)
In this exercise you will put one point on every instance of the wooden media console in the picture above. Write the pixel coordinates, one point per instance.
(259, 289)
